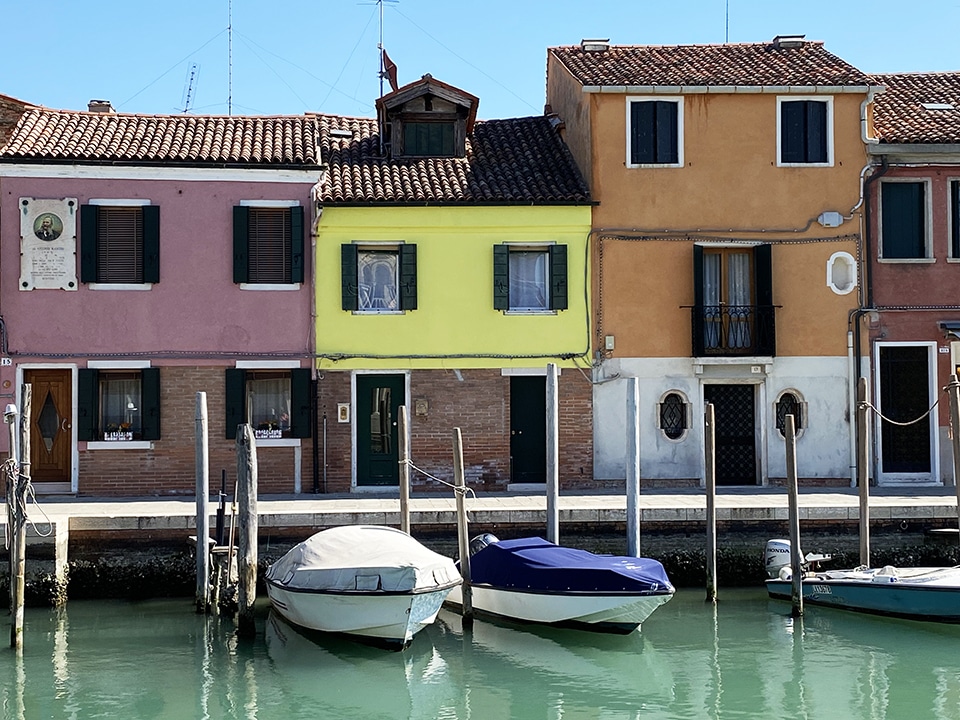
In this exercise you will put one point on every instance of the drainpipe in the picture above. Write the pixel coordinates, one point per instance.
(852, 404)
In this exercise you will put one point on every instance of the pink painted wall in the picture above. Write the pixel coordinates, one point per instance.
(195, 308)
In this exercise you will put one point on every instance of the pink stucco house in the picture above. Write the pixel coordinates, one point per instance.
(144, 259)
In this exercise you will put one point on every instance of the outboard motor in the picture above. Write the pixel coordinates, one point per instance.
(775, 556)
(481, 541)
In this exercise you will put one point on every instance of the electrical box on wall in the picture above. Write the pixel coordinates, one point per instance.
(608, 342)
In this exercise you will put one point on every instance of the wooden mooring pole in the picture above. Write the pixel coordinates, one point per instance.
(247, 521)
(796, 561)
(953, 389)
(633, 468)
(710, 472)
(553, 456)
(463, 541)
(17, 524)
(404, 443)
(863, 470)
(203, 512)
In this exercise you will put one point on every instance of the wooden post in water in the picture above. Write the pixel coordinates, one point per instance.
(863, 467)
(404, 471)
(15, 518)
(203, 513)
(953, 388)
(463, 541)
(633, 468)
(796, 561)
(247, 522)
(710, 467)
(553, 456)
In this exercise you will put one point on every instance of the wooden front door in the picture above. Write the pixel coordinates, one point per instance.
(379, 398)
(528, 429)
(50, 424)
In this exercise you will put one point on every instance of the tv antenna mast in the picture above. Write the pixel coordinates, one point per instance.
(380, 43)
(194, 75)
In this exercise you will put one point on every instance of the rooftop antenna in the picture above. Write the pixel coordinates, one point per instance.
(382, 73)
(194, 72)
(726, 35)
(229, 57)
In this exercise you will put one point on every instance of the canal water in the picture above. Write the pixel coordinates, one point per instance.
(744, 658)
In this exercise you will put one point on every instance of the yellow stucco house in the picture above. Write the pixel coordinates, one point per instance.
(725, 249)
(452, 266)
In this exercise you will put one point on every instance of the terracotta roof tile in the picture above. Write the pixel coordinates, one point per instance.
(46, 135)
(746, 64)
(507, 161)
(899, 114)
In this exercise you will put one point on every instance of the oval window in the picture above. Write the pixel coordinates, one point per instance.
(673, 416)
(789, 404)
(842, 273)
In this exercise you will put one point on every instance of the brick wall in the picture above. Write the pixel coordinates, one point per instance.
(170, 467)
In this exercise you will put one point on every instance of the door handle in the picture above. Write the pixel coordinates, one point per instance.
(65, 425)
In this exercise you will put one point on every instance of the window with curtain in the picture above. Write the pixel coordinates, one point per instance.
(268, 403)
(529, 280)
(120, 405)
(377, 280)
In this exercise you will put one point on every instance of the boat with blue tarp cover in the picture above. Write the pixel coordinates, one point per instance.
(534, 580)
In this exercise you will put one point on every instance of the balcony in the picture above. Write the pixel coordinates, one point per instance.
(734, 330)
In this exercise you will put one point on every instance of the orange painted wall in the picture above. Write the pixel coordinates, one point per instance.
(729, 186)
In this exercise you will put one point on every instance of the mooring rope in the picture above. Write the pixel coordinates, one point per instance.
(870, 405)
(465, 490)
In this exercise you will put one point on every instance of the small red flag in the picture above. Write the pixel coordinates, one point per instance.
(390, 70)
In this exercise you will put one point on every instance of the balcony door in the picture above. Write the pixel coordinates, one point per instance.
(733, 312)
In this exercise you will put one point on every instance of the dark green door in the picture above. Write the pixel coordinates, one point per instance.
(528, 429)
(905, 396)
(379, 398)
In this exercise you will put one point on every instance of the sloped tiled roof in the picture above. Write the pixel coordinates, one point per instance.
(520, 160)
(44, 135)
(746, 64)
(899, 115)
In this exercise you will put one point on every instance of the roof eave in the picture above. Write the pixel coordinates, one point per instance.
(732, 89)
(944, 152)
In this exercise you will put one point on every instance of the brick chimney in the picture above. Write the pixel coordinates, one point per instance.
(100, 106)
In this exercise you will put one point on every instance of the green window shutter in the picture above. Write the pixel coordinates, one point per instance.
(792, 132)
(89, 216)
(296, 244)
(150, 403)
(642, 133)
(558, 277)
(816, 120)
(348, 277)
(241, 242)
(236, 400)
(763, 264)
(88, 404)
(151, 243)
(698, 312)
(501, 277)
(765, 338)
(300, 403)
(668, 149)
(903, 220)
(408, 277)
(955, 215)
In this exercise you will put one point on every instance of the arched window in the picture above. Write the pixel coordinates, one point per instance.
(789, 403)
(673, 415)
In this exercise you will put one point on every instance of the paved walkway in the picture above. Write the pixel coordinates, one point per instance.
(680, 506)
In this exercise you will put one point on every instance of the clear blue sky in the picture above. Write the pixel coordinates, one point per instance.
(294, 56)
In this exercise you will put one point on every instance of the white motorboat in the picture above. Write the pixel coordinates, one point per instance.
(370, 581)
(533, 580)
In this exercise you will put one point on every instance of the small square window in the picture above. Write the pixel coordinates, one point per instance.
(378, 278)
(268, 404)
(530, 279)
(653, 132)
(268, 245)
(118, 405)
(805, 132)
(120, 244)
(274, 402)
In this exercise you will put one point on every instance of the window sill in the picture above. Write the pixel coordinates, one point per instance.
(907, 261)
(119, 445)
(529, 312)
(805, 165)
(282, 442)
(653, 166)
(953, 260)
(378, 312)
(120, 286)
(282, 287)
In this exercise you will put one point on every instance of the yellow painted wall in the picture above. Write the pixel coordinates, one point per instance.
(455, 315)
(729, 186)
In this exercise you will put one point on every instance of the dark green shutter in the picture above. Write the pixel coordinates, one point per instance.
(955, 210)
(763, 268)
(667, 133)
(241, 245)
(150, 403)
(296, 244)
(88, 404)
(89, 215)
(558, 277)
(151, 243)
(501, 277)
(792, 118)
(698, 313)
(903, 220)
(349, 293)
(765, 333)
(816, 121)
(408, 277)
(642, 133)
(300, 396)
(236, 400)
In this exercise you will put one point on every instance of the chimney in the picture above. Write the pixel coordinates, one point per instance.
(595, 45)
(100, 106)
(788, 41)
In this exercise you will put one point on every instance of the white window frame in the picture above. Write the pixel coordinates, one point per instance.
(655, 98)
(118, 444)
(520, 246)
(379, 246)
(123, 202)
(829, 130)
(274, 366)
(272, 287)
(927, 221)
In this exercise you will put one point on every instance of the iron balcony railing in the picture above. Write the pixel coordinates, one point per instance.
(732, 330)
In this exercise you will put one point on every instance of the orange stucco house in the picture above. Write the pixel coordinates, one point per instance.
(725, 250)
